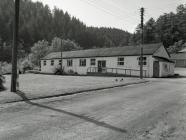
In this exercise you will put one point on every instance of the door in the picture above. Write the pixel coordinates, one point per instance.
(101, 65)
(156, 69)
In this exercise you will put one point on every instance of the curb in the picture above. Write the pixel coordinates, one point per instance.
(73, 93)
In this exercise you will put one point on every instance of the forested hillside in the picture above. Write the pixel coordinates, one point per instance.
(169, 28)
(39, 23)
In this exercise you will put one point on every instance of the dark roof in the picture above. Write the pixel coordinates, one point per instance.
(161, 59)
(180, 55)
(105, 52)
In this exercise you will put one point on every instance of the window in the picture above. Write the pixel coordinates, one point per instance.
(60, 62)
(44, 62)
(69, 62)
(92, 62)
(165, 66)
(82, 62)
(52, 62)
(120, 61)
(144, 60)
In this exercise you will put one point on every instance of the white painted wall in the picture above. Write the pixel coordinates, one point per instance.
(166, 69)
(131, 62)
(75, 67)
(163, 70)
(48, 68)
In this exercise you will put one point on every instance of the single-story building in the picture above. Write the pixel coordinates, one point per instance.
(179, 58)
(117, 60)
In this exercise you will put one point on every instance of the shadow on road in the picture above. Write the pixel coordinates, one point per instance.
(88, 119)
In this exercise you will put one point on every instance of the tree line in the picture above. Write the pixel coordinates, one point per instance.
(38, 22)
(40, 25)
(169, 28)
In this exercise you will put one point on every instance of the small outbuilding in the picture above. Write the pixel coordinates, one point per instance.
(124, 61)
(179, 58)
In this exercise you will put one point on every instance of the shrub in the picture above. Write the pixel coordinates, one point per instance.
(59, 71)
(6, 68)
(26, 65)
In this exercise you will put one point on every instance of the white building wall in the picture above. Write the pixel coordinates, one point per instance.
(166, 69)
(75, 66)
(130, 62)
(48, 68)
(150, 70)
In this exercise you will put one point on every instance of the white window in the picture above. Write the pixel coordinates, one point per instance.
(44, 62)
(92, 62)
(52, 62)
(82, 62)
(144, 60)
(121, 61)
(69, 62)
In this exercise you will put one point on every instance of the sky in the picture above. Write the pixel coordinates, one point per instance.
(122, 14)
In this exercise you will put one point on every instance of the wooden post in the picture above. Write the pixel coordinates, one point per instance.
(61, 56)
(141, 49)
(130, 72)
(14, 49)
(141, 62)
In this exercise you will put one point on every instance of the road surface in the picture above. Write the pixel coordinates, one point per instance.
(154, 110)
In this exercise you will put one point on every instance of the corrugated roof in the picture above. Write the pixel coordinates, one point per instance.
(105, 52)
(178, 56)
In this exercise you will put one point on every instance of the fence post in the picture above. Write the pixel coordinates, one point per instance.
(130, 72)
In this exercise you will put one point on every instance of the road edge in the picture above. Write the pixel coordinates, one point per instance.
(24, 98)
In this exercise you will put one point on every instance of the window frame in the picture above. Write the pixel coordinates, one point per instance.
(44, 62)
(121, 62)
(60, 62)
(52, 62)
(69, 62)
(166, 67)
(82, 62)
(92, 62)
(144, 61)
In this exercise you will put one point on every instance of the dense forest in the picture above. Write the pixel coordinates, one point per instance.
(39, 22)
(42, 27)
(169, 28)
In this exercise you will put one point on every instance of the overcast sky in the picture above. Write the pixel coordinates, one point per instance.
(122, 14)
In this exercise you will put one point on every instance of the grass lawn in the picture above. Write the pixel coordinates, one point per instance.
(37, 85)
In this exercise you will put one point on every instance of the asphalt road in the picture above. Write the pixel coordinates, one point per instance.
(132, 112)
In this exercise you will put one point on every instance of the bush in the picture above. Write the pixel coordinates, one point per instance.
(25, 66)
(6, 68)
(59, 71)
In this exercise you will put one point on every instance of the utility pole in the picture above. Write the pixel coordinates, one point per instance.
(14, 49)
(141, 49)
(61, 55)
